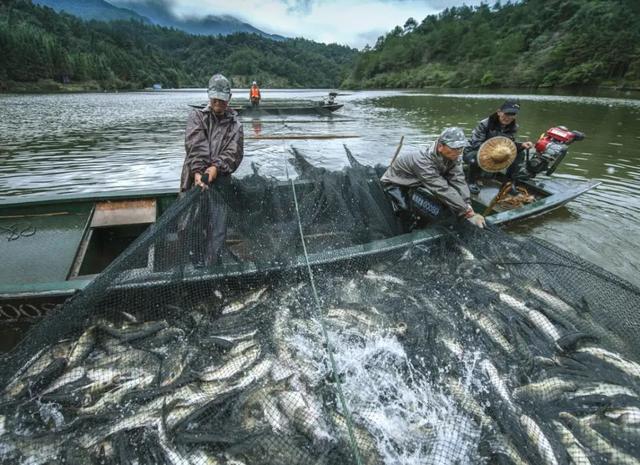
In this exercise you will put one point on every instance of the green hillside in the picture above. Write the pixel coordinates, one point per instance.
(41, 49)
(532, 43)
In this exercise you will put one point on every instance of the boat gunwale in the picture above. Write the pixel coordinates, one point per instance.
(555, 199)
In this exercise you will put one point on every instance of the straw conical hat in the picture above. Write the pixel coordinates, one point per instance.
(496, 154)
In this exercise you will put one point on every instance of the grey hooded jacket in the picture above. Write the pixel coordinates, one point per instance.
(211, 140)
(442, 177)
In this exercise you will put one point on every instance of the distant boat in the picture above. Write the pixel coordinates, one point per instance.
(157, 87)
(276, 110)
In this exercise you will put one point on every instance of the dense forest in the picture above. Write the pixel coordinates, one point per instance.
(531, 43)
(41, 49)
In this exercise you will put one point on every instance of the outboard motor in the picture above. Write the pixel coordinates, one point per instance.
(550, 150)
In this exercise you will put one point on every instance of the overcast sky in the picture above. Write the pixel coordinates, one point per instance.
(350, 22)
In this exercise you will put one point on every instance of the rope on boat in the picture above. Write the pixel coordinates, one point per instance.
(334, 368)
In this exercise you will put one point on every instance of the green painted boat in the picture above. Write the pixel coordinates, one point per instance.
(53, 246)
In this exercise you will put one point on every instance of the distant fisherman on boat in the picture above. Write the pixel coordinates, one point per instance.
(214, 139)
(254, 94)
(428, 183)
(500, 123)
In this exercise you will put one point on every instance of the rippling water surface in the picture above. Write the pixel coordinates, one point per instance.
(100, 142)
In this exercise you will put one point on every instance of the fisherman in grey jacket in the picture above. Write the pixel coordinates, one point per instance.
(214, 139)
(423, 183)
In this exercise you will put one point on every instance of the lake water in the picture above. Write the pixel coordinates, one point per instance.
(100, 142)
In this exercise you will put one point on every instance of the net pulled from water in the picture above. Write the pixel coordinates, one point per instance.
(360, 345)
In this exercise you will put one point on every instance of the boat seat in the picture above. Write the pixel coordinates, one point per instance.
(123, 212)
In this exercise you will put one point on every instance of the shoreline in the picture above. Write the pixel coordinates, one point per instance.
(53, 87)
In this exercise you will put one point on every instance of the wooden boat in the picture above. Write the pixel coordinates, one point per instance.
(273, 110)
(53, 246)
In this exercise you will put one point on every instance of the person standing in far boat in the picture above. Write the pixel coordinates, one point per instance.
(254, 94)
(430, 183)
(214, 143)
(500, 123)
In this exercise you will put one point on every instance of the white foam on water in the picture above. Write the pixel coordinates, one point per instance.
(412, 420)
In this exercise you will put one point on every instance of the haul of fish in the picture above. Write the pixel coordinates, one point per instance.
(406, 362)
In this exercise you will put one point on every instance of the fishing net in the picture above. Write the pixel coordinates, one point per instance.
(269, 322)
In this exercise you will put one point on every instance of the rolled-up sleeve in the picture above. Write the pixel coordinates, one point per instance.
(440, 187)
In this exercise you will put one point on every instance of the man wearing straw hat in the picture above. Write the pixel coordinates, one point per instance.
(430, 183)
(501, 123)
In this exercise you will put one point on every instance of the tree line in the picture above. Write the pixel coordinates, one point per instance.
(530, 43)
(37, 44)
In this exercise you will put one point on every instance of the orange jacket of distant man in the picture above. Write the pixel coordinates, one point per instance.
(254, 93)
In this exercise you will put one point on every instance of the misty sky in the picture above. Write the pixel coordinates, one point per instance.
(350, 22)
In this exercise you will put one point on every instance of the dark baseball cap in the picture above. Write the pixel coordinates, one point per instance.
(510, 106)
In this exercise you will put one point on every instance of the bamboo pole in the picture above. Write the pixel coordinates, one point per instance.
(397, 151)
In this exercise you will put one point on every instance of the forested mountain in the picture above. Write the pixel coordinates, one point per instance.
(153, 12)
(159, 14)
(92, 9)
(36, 43)
(537, 43)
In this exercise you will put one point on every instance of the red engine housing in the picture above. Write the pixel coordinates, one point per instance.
(556, 134)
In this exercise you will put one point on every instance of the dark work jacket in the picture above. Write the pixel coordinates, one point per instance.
(491, 127)
(210, 140)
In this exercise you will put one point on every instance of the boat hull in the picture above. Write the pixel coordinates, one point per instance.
(31, 299)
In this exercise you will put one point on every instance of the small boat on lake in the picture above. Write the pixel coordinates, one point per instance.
(275, 110)
(53, 246)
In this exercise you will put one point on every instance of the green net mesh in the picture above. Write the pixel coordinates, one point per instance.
(267, 322)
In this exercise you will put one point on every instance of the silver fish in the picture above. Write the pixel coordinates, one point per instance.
(468, 402)
(547, 390)
(387, 278)
(248, 303)
(490, 328)
(574, 449)
(539, 440)
(496, 381)
(502, 445)
(624, 415)
(83, 347)
(232, 367)
(553, 301)
(305, 414)
(617, 360)
(602, 389)
(597, 442)
(69, 377)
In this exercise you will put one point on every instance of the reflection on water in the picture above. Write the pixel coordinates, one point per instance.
(103, 141)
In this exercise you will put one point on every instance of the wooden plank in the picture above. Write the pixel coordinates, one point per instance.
(117, 213)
